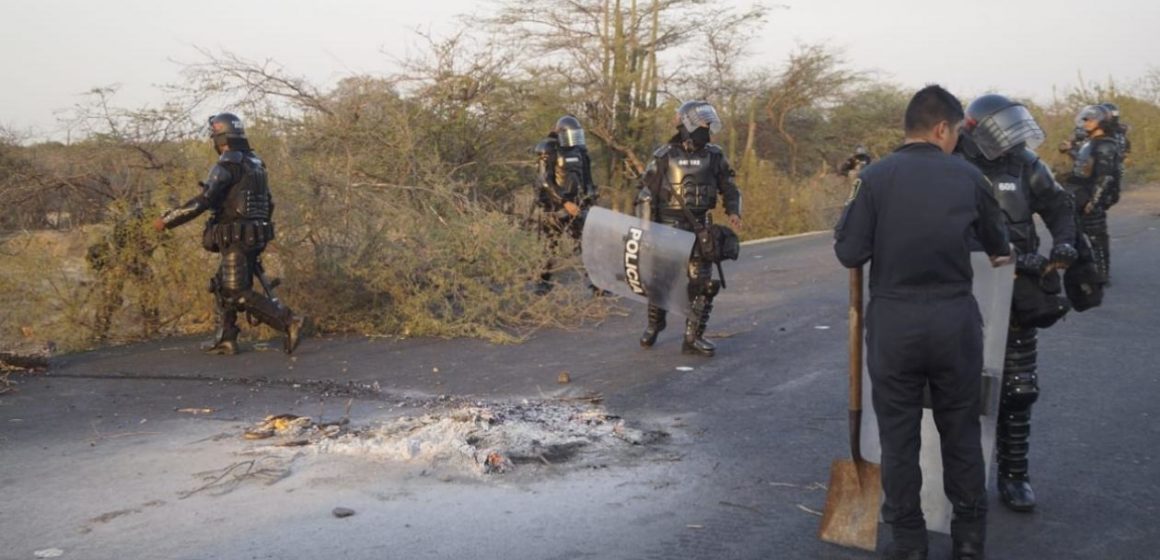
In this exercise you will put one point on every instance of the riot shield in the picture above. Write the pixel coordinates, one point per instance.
(993, 288)
(637, 259)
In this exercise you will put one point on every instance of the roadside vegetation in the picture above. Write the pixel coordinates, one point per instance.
(404, 198)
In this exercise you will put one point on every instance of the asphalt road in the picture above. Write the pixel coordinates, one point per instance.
(96, 460)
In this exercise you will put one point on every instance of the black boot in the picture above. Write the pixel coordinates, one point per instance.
(221, 348)
(695, 342)
(1017, 494)
(225, 341)
(294, 334)
(909, 544)
(897, 553)
(1020, 391)
(656, 324)
(1014, 482)
(969, 531)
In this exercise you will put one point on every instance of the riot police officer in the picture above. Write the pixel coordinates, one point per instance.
(1119, 130)
(998, 138)
(854, 164)
(1095, 181)
(238, 196)
(680, 186)
(564, 187)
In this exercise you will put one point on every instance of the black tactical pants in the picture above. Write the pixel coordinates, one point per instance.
(1095, 225)
(911, 344)
(233, 287)
(554, 224)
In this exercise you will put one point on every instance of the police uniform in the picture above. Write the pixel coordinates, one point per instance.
(683, 180)
(563, 176)
(238, 196)
(1095, 183)
(914, 215)
(1023, 186)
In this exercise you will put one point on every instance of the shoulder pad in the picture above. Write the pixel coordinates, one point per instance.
(218, 174)
(714, 148)
(231, 156)
(663, 150)
(1026, 156)
(1105, 146)
(1040, 177)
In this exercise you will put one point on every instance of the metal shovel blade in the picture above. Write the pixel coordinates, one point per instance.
(852, 502)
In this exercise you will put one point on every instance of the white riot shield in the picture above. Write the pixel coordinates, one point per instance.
(637, 259)
(993, 288)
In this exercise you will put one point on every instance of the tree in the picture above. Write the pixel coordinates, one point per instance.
(606, 54)
(814, 77)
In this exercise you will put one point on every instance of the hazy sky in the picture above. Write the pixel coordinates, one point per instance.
(51, 51)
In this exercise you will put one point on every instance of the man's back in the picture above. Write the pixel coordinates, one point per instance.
(918, 212)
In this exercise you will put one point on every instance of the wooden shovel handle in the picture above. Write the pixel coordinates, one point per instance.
(856, 362)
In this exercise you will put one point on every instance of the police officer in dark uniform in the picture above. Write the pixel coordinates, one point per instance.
(564, 187)
(685, 178)
(1120, 130)
(1095, 181)
(238, 195)
(998, 138)
(914, 215)
(854, 164)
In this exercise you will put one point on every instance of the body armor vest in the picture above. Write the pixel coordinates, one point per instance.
(569, 172)
(692, 177)
(249, 198)
(1009, 180)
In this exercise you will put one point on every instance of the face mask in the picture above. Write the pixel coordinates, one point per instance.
(700, 137)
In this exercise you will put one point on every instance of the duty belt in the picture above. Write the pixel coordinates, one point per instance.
(248, 232)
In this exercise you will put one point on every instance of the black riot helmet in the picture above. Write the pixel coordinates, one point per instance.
(996, 125)
(692, 115)
(1114, 111)
(227, 132)
(1098, 113)
(569, 131)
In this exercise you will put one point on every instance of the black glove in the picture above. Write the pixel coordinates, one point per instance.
(1031, 264)
(1063, 255)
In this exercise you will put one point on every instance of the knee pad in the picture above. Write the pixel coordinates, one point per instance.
(235, 275)
(712, 288)
(1020, 390)
(1095, 223)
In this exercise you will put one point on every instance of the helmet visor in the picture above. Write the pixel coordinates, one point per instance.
(1091, 113)
(571, 137)
(701, 115)
(1001, 131)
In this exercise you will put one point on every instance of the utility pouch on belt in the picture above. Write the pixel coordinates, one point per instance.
(248, 233)
(728, 244)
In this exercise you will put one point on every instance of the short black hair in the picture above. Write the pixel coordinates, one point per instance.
(930, 106)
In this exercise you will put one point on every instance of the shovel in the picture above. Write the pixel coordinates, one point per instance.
(855, 492)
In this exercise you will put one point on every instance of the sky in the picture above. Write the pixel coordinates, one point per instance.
(53, 51)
